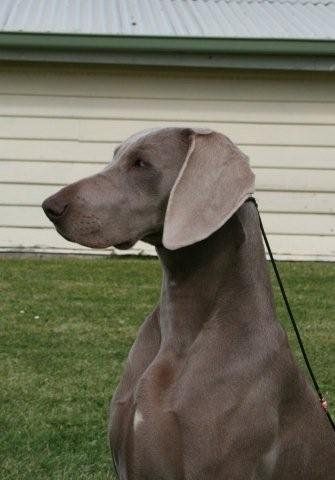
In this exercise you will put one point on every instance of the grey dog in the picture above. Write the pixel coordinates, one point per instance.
(210, 389)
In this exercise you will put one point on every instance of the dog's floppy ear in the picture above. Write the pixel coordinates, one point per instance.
(214, 181)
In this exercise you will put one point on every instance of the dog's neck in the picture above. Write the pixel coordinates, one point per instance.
(222, 281)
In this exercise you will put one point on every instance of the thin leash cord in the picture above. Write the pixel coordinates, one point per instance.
(295, 326)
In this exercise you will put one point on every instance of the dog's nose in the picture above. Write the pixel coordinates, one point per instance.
(54, 207)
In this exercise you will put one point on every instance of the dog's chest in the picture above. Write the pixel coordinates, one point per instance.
(145, 430)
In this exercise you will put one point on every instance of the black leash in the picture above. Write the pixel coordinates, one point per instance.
(301, 345)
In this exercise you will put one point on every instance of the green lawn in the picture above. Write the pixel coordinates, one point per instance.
(66, 326)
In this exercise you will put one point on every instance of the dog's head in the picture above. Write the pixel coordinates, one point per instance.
(174, 186)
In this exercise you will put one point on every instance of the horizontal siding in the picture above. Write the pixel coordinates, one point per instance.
(88, 152)
(105, 130)
(58, 125)
(230, 111)
(53, 150)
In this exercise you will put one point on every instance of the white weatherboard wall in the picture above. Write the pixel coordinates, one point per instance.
(60, 123)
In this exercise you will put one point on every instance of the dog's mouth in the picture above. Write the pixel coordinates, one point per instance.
(86, 239)
(92, 238)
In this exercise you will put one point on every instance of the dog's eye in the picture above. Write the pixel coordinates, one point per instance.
(139, 163)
